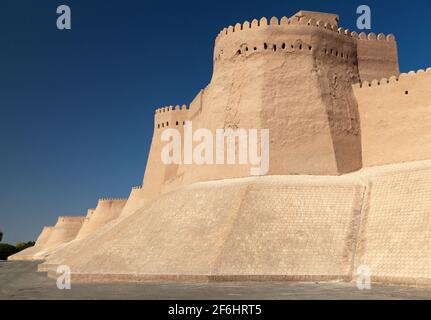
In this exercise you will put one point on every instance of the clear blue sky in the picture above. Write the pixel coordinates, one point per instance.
(76, 107)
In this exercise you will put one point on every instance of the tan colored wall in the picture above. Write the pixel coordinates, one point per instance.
(306, 228)
(287, 227)
(31, 253)
(377, 56)
(297, 231)
(396, 227)
(65, 230)
(291, 77)
(134, 202)
(298, 83)
(395, 126)
(52, 239)
(44, 236)
(106, 211)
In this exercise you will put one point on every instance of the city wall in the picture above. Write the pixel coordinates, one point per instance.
(395, 118)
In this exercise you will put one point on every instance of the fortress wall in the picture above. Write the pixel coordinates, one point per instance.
(232, 229)
(329, 18)
(283, 74)
(245, 92)
(229, 40)
(294, 231)
(396, 228)
(377, 56)
(170, 117)
(106, 211)
(177, 234)
(156, 172)
(31, 253)
(255, 72)
(395, 118)
(65, 230)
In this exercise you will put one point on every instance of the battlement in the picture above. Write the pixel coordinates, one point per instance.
(170, 116)
(283, 23)
(281, 36)
(377, 56)
(373, 37)
(393, 79)
(137, 187)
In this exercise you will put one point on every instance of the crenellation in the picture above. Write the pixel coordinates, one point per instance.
(392, 79)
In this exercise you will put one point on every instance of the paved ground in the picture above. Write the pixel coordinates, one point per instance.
(19, 280)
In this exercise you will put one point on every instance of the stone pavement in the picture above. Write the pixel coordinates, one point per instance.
(19, 280)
